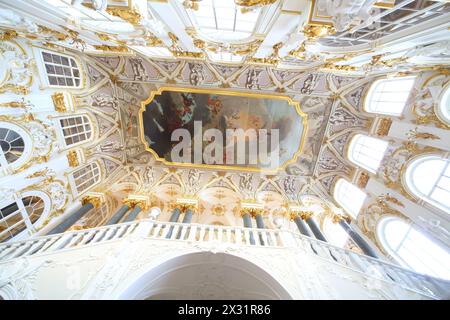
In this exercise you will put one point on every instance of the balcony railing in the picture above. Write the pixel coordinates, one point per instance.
(230, 236)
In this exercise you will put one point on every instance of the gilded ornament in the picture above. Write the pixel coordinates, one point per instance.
(252, 211)
(339, 67)
(362, 180)
(95, 201)
(415, 134)
(384, 126)
(130, 15)
(268, 60)
(199, 43)
(314, 32)
(57, 34)
(17, 104)
(252, 3)
(8, 35)
(191, 4)
(107, 48)
(72, 158)
(102, 36)
(58, 102)
(17, 89)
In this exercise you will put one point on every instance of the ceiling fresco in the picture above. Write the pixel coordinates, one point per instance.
(252, 132)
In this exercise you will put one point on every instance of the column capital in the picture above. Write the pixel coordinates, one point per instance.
(95, 200)
(185, 204)
(132, 203)
(305, 215)
(339, 217)
(251, 207)
(252, 211)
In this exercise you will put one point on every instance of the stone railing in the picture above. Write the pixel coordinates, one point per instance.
(230, 236)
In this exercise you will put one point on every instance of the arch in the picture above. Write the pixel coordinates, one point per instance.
(411, 248)
(203, 275)
(367, 152)
(16, 145)
(428, 178)
(348, 196)
(388, 96)
(22, 214)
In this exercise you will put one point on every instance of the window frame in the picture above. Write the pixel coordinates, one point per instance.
(351, 151)
(30, 226)
(45, 76)
(372, 90)
(407, 179)
(61, 129)
(336, 188)
(27, 150)
(73, 181)
(393, 253)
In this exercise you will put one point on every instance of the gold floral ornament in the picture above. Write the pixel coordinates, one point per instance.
(23, 104)
(313, 32)
(8, 35)
(416, 134)
(131, 15)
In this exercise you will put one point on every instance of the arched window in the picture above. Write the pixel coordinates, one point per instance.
(428, 178)
(349, 197)
(86, 177)
(444, 106)
(75, 129)
(21, 215)
(15, 146)
(389, 96)
(412, 249)
(61, 70)
(367, 152)
(12, 146)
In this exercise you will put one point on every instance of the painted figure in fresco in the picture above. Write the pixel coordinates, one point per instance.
(253, 79)
(181, 110)
(196, 76)
(138, 69)
(310, 84)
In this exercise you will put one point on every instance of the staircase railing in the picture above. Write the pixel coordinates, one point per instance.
(230, 236)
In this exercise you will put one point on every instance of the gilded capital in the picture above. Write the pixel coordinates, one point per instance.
(305, 215)
(132, 203)
(95, 201)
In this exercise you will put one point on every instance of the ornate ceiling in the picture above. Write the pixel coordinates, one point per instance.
(291, 48)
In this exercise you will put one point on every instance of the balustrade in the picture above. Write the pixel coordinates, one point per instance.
(234, 236)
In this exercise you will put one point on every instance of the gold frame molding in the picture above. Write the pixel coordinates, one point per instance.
(291, 102)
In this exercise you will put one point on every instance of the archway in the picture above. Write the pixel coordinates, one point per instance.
(205, 275)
